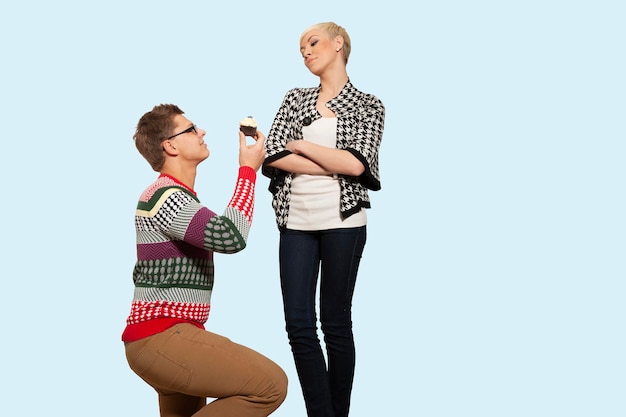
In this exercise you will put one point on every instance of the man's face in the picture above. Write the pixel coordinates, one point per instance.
(188, 141)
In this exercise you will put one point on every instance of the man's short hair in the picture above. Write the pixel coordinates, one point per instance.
(153, 128)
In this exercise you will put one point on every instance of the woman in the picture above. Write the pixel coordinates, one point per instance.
(321, 158)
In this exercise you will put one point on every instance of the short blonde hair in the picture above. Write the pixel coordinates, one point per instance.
(333, 30)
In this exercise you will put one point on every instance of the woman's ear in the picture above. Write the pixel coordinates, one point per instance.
(338, 43)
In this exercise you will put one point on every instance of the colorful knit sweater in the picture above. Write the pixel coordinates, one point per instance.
(176, 238)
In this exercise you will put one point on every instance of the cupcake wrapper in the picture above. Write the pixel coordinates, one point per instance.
(247, 130)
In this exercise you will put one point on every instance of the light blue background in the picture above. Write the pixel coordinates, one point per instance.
(492, 284)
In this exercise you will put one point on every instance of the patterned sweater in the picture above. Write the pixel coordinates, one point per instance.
(176, 238)
(360, 124)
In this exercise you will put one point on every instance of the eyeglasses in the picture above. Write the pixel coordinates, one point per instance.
(190, 129)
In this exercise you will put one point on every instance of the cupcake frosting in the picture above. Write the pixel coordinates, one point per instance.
(248, 121)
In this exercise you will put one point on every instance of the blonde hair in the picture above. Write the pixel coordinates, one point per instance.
(333, 30)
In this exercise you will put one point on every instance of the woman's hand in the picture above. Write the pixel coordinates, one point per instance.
(293, 146)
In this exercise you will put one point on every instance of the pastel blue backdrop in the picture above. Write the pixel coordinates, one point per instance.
(492, 284)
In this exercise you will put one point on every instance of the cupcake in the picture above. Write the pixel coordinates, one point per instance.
(248, 126)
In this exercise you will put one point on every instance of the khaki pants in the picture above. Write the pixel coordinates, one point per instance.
(186, 365)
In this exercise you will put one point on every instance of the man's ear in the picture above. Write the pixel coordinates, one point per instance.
(169, 148)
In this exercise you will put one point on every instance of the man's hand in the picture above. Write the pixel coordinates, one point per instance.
(252, 155)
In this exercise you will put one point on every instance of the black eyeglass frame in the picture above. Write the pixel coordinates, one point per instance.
(189, 129)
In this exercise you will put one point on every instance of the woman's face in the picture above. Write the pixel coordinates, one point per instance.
(318, 50)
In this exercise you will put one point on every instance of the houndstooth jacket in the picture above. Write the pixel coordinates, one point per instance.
(360, 123)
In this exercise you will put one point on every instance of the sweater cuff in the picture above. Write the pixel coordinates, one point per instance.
(247, 173)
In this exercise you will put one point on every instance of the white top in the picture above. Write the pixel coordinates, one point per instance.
(314, 203)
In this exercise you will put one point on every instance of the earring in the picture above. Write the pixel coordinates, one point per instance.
(338, 49)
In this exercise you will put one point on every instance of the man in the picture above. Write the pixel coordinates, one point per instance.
(165, 340)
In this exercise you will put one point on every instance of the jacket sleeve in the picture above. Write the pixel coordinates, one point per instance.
(280, 133)
(370, 121)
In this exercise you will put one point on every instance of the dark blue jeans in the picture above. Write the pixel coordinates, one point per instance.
(334, 256)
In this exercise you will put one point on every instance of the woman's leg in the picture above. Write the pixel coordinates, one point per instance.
(299, 268)
(341, 251)
(186, 365)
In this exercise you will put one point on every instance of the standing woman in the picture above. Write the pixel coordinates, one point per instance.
(321, 158)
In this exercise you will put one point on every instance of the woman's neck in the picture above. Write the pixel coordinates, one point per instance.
(333, 84)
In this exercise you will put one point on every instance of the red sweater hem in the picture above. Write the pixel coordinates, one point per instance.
(148, 328)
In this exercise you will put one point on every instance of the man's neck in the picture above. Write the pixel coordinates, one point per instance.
(186, 176)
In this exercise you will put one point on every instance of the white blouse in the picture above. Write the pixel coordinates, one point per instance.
(314, 203)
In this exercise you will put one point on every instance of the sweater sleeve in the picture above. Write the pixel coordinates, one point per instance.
(228, 233)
